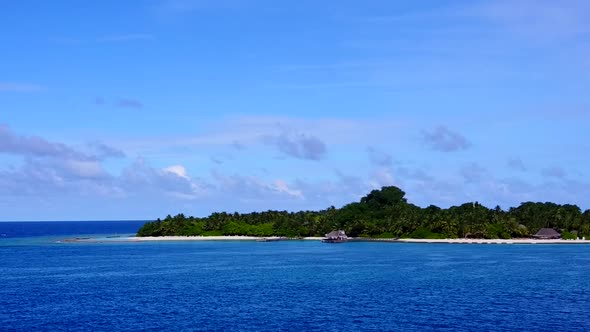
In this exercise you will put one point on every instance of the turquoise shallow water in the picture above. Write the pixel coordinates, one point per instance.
(295, 286)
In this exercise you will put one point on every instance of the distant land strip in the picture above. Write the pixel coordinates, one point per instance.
(386, 214)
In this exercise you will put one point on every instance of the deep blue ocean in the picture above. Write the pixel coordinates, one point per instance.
(296, 286)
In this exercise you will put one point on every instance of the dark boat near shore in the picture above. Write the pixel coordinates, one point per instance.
(335, 237)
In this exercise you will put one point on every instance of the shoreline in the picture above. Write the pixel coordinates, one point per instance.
(494, 241)
(218, 238)
(278, 238)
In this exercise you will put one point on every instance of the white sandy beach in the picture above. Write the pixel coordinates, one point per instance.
(210, 238)
(254, 238)
(495, 241)
(192, 238)
(186, 238)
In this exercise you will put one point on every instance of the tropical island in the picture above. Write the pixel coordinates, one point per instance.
(385, 213)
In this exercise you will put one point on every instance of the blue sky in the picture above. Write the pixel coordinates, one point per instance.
(137, 109)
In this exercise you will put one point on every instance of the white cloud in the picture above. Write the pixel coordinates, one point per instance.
(381, 177)
(178, 170)
(283, 187)
(84, 168)
(239, 132)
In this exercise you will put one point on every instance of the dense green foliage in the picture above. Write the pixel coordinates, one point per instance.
(385, 213)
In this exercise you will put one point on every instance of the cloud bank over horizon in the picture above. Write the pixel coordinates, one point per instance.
(54, 173)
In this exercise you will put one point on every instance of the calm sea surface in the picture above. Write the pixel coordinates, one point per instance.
(296, 286)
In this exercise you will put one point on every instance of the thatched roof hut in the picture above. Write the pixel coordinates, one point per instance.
(547, 233)
(336, 235)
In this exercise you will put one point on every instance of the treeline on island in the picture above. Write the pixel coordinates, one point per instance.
(385, 213)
